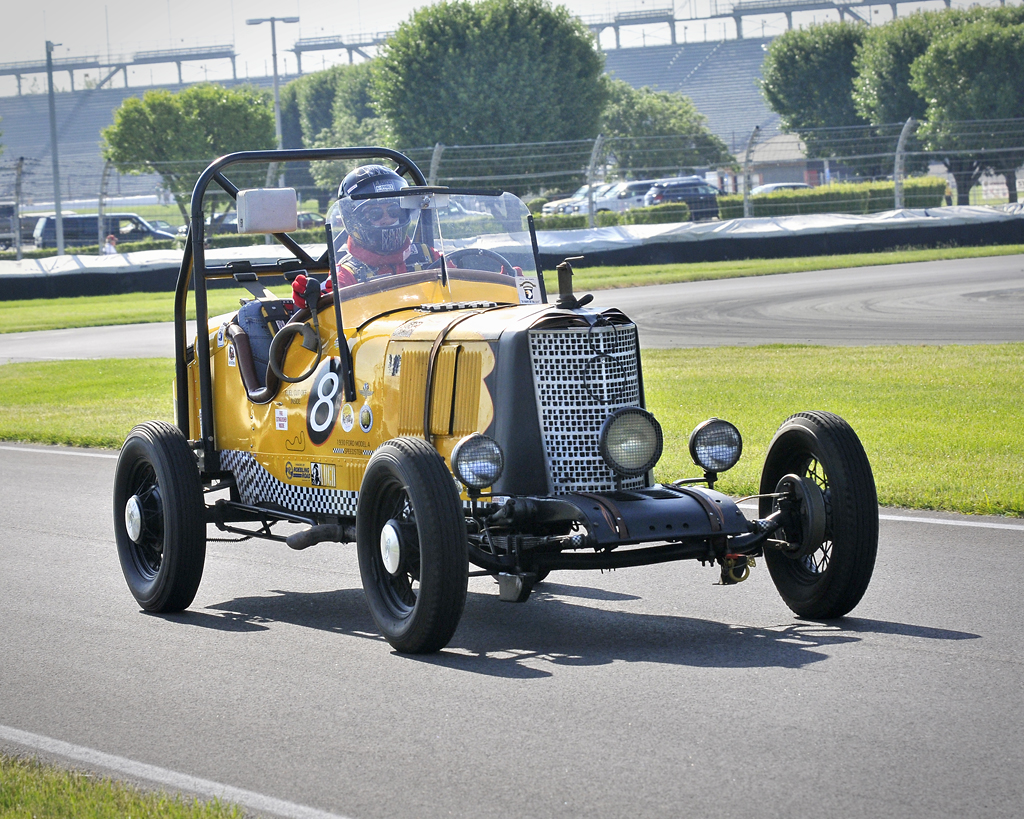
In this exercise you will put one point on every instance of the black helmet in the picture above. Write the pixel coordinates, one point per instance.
(361, 217)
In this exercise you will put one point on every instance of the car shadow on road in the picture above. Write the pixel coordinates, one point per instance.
(535, 639)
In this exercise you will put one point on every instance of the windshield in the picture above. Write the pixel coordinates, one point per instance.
(448, 237)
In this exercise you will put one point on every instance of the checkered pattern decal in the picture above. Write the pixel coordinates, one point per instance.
(256, 486)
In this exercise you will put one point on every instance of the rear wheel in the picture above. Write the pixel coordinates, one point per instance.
(827, 581)
(159, 521)
(412, 546)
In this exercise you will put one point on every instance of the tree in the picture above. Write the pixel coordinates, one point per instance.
(653, 133)
(808, 81)
(330, 108)
(178, 135)
(972, 73)
(489, 73)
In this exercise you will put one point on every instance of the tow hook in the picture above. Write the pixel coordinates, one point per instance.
(736, 569)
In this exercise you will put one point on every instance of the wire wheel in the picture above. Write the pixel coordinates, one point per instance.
(412, 546)
(159, 521)
(830, 580)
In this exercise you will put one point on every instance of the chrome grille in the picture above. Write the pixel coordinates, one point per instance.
(581, 375)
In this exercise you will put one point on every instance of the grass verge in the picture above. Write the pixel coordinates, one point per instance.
(28, 788)
(139, 308)
(939, 424)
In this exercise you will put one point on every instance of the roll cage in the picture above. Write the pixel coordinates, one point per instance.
(196, 272)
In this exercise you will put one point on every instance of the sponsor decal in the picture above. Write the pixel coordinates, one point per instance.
(323, 475)
(366, 418)
(232, 356)
(296, 472)
(394, 364)
(529, 293)
(220, 335)
(366, 392)
(324, 404)
(296, 444)
(281, 418)
(348, 418)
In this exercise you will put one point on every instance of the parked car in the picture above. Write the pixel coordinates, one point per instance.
(221, 223)
(463, 419)
(778, 186)
(566, 205)
(621, 196)
(701, 198)
(84, 230)
(308, 221)
(165, 226)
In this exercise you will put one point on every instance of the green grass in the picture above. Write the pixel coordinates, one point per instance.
(139, 308)
(83, 403)
(940, 424)
(30, 789)
(100, 311)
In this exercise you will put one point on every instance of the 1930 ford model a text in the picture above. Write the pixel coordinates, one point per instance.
(464, 419)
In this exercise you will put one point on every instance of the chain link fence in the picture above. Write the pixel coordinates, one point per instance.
(980, 156)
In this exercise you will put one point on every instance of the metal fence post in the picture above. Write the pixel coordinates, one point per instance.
(594, 156)
(746, 171)
(435, 163)
(17, 205)
(897, 170)
(100, 238)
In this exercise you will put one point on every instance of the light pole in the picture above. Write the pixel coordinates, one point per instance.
(255, 21)
(53, 150)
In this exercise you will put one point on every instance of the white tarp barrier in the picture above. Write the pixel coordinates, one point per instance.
(616, 238)
(565, 242)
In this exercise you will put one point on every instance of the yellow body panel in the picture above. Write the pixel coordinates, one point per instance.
(309, 436)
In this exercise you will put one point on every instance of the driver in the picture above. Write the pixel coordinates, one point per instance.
(379, 230)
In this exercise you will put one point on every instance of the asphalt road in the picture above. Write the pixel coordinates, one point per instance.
(968, 301)
(646, 692)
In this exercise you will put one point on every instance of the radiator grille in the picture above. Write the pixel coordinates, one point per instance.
(581, 375)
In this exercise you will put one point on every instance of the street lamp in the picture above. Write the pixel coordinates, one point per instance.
(277, 96)
(53, 149)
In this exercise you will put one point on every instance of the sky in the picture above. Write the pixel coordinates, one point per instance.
(109, 28)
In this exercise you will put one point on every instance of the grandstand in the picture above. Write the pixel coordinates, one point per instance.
(720, 78)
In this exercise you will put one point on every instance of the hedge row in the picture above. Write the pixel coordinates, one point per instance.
(846, 197)
(654, 215)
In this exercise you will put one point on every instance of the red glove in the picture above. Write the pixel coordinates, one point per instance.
(299, 290)
(299, 285)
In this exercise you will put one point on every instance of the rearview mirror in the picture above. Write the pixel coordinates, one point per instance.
(267, 210)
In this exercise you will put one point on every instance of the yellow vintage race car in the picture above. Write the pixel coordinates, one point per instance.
(452, 415)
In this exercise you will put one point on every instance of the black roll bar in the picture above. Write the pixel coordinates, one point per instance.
(194, 271)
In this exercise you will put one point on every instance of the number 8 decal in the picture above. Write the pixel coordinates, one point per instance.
(324, 402)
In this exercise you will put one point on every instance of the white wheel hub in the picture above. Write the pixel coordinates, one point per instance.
(390, 548)
(133, 518)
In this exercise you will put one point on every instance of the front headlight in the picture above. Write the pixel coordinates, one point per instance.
(715, 445)
(631, 441)
(477, 461)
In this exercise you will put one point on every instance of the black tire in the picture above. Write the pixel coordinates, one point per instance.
(830, 581)
(408, 487)
(157, 474)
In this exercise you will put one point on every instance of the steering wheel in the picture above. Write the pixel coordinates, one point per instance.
(505, 266)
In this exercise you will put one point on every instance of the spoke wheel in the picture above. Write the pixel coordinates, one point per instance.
(830, 580)
(159, 517)
(412, 546)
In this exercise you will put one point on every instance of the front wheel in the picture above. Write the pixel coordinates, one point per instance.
(828, 581)
(412, 546)
(159, 520)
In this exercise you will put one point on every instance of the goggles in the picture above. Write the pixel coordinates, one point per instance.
(378, 211)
